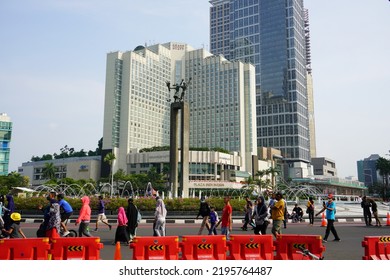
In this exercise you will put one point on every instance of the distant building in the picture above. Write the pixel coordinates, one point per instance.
(221, 98)
(367, 172)
(324, 167)
(77, 168)
(5, 140)
(273, 36)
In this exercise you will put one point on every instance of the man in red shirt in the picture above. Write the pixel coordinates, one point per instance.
(226, 219)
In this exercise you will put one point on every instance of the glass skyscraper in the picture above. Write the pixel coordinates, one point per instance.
(271, 36)
(5, 139)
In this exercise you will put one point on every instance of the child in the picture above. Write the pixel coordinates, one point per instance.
(15, 229)
(213, 221)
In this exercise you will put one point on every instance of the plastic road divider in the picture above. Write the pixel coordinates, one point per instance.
(288, 246)
(155, 248)
(376, 248)
(24, 249)
(203, 247)
(251, 247)
(76, 248)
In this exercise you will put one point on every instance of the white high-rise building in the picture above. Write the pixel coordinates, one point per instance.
(221, 95)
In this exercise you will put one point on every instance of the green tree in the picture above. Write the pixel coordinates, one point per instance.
(49, 171)
(110, 158)
(383, 166)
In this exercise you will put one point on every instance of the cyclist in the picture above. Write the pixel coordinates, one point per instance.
(66, 211)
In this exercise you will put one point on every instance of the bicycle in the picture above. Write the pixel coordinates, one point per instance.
(72, 232)
(306, 253)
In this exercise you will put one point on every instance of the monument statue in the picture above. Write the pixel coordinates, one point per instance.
(178, 96)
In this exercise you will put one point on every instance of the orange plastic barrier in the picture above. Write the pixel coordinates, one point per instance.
(287, 246)
(376, 248)
(155, 248)
(251, 247)
(76, 248)
(203, 247)
(24, 249)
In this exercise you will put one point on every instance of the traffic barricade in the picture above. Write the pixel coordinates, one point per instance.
(76, 248)
(155, 248)
(376, 248)
(24, 249)
(251, 247)
(203, 247)
(295, 246)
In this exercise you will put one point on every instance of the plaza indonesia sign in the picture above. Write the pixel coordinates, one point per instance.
(214, 185)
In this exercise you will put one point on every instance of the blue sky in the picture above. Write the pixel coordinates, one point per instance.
(53, 59)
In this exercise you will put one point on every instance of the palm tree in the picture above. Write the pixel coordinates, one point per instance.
(274, 172)
(383, 165)
(110, 158)
(49, 171)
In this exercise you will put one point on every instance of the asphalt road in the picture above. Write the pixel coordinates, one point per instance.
(350, 247)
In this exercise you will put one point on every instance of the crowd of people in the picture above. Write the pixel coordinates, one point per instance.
(257, 215)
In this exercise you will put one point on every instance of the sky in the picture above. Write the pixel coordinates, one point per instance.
(53, 63)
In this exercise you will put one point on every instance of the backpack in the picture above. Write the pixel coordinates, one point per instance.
(204, 209)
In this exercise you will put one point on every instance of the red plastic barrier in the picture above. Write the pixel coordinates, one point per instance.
(155, 248)
(251, 247)
(76, 248)
(203, 247)
(24, 249)
(376, 248)
(287, 246)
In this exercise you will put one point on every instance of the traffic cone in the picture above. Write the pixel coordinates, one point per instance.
(323, 221)
(388, 219)
(117, 255)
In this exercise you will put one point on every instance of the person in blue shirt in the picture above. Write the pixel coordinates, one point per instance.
(66, 211)
(330, 208)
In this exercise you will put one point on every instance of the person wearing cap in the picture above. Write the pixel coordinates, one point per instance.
(15, 229)
(330, 208)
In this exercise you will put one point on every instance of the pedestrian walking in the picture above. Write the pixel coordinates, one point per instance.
(248, 209)
(132, 217)
(330, 208)
(159, 217)
(102, 214)
(260, 215)
(204, 212)
(310, 210)
(121, 233)
(277, 214)
(84, 217)
(226, 219)
(213, 221)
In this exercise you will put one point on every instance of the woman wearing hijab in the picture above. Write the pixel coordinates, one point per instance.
(132, 217)
(260, 214)
(121, 234)
(159, 217)
(53, 220)
(10, 208)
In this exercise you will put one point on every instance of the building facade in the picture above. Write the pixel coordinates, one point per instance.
(77, 168)
(324, 167)
(5, 141)
(367, 172)
(272, 35)
(221, 97)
